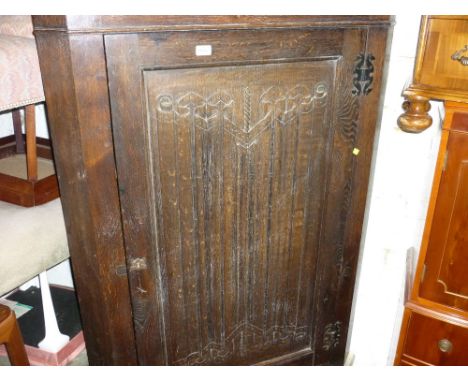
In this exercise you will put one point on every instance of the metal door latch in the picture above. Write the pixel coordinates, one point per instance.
(138, 264)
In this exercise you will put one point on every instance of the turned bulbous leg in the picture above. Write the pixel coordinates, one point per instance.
(416, 118)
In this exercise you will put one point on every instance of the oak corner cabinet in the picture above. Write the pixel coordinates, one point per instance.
(213, 173)
(434, 330)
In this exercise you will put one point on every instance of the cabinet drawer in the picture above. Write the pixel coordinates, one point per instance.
(433, 342)
(443, 55)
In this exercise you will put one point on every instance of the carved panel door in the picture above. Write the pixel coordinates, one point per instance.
(235, 170)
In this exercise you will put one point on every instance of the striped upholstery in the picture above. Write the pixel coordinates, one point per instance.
(20, 75)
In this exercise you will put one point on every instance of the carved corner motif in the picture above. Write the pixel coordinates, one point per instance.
(331, 337)
(446, 290)
(234, 343)
(363, 75)
(416, 118)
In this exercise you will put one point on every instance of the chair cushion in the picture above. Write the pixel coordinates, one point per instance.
(20, 75)
(32, 240)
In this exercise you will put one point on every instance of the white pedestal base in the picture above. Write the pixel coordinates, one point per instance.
(53, 340)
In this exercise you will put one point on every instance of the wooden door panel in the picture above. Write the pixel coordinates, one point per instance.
(235, 178)
(446, 259)
(237, 162)
(455, 259)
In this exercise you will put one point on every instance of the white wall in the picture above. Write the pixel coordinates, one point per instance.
(399, 196)
(6, 123)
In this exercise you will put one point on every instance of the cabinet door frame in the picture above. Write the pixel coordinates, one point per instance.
(354, 118)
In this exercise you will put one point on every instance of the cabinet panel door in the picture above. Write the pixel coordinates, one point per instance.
(447, 252)
(225, 147)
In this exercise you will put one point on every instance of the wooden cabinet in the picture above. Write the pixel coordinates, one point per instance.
(439, 71)
(437, 312)
(214, 174)
(443, 55)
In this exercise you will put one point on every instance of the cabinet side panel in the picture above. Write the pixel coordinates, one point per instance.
(75, 84)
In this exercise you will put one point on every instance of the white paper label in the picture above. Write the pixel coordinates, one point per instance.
(203, 50)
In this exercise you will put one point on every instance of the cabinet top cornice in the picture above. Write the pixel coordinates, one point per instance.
(161, 23)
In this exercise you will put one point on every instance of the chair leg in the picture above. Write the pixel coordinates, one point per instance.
(10, 335)
(31, 149)
(53, 340)
(16, 114)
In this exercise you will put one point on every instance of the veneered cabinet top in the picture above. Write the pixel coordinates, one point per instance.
(149, 23)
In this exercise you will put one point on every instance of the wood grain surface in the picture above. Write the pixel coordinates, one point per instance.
(227, 229)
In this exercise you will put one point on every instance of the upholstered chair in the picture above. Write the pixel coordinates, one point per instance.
(20, 75)
(24, 180)
(32, 240)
